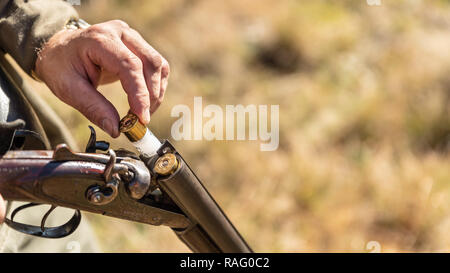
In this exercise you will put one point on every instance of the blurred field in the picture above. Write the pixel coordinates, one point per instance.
(364, 95)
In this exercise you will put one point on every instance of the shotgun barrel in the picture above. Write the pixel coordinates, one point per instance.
(211, 230)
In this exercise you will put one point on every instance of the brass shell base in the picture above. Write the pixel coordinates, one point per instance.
(166, 164)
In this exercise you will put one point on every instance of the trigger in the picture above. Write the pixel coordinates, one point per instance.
(93, 145)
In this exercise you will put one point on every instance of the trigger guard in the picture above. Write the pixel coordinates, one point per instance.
(47, 232)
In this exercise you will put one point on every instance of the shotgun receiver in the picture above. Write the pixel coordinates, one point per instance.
(158, 190)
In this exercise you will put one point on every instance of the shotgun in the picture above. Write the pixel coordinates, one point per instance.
(156, 189)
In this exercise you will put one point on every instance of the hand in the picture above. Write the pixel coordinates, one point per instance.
(74, 62)
(2, 209)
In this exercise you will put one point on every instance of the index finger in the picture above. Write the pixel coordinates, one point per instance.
(115, 57)
(152, 61)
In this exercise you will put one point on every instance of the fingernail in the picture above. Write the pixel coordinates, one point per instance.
(108, 126)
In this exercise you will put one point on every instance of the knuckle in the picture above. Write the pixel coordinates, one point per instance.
(160, 99)
(132, 63)
(141, 100)
(96, 29)
(120, 23)
(165, 69)
(104, 30)
(90, 110)
(97, 38)
(157, 61)
(97, 34)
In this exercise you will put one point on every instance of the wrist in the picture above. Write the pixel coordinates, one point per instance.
(58, 38)
(47, 50)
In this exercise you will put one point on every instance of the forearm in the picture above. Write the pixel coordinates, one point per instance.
(26, 25)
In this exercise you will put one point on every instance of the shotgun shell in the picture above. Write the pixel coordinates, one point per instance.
(132, 127)
(166, 164)
(141, 137)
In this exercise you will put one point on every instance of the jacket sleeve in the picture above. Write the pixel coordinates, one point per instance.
(25, 25)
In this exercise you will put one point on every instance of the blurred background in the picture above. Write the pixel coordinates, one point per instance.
(364, 94)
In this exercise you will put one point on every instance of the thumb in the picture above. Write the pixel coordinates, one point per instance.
(2, 209)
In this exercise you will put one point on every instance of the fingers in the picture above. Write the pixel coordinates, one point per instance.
(134, 52)
(156, 68)
(2, 209)
(73, 63)
(93, 105)
(165, 71)
(112, 55)
(143, 72)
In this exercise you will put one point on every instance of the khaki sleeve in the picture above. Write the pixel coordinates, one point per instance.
(25, 25)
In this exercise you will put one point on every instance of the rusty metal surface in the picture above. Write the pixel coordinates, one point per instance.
(120, 185)
(29, 154)
(37, 176)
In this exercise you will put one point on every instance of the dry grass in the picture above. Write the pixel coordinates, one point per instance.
(364, 95)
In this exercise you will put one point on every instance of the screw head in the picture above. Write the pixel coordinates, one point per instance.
(97, 198)
(94, 195)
